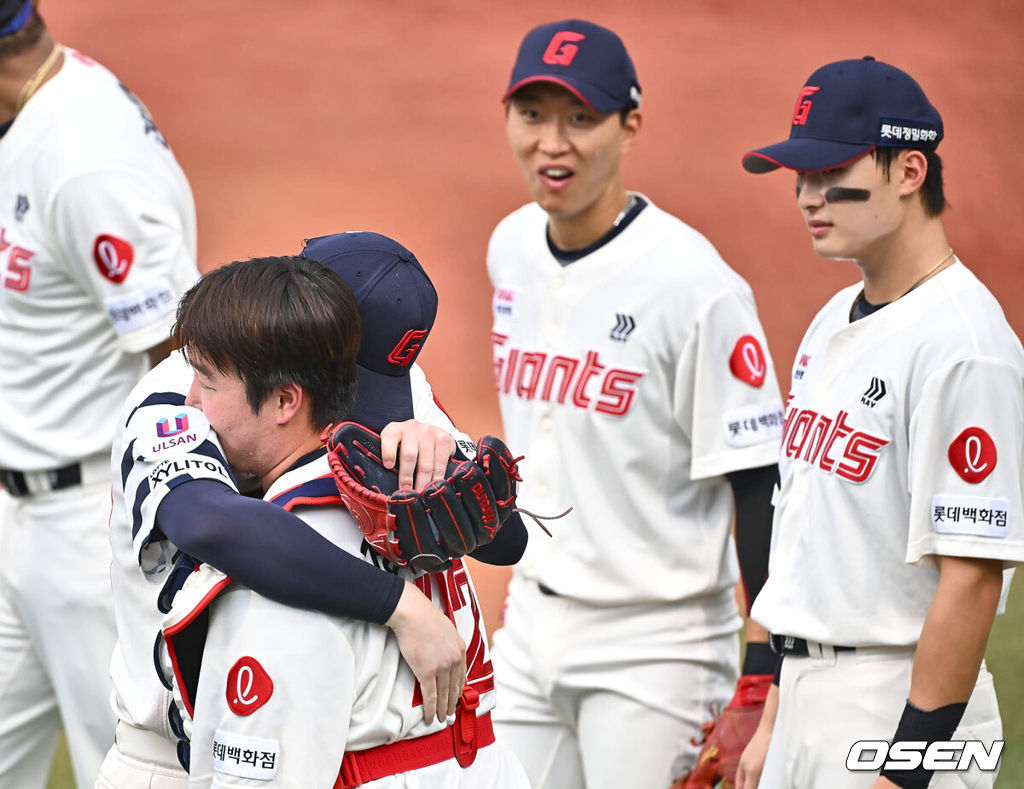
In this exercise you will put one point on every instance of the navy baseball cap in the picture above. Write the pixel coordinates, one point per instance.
(397, 305)
(587, 59)
(845, 110)
(14, 15)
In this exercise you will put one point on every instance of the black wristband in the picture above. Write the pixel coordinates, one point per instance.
(759, 659)
(916, 725)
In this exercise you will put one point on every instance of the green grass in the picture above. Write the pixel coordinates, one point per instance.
(1005, 652)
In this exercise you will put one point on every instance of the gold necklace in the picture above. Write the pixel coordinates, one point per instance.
(36, 79)
(927, 274)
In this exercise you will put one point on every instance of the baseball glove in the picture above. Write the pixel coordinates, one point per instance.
(422, 529)
(727, 735)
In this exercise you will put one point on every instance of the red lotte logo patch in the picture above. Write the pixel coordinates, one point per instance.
(973, 455)
(249, 686)
(113, 257)
(747, 361)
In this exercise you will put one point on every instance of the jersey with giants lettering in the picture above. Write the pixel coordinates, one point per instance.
(295, 689)
(632, 380)
(97, 242)
(903, 440)
(159, 444)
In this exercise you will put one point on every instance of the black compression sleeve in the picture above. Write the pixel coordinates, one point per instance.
(752, 489)
(274, 552)
(508, 544)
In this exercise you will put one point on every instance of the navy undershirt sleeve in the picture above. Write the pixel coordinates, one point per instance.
(752, 490)
(275, 553)
(508, 544)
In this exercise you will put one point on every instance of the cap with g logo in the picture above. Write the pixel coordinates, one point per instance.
(589, 60)
(397, 306)
(845, 110)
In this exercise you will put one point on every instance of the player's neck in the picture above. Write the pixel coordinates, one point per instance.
(905, 262)
(26, 72)
(293, 452)
(580, 230)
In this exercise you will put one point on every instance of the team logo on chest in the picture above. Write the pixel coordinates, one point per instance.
(585, 383)
(830, 443)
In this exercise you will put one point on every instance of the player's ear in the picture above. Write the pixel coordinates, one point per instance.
(909, 171)
(288, 401)
(631, 128)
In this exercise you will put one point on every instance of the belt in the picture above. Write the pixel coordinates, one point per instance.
(459, 741)
(91, 469)
(799, 647)
(22, 483)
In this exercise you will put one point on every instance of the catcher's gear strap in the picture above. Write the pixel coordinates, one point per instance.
(460, 741)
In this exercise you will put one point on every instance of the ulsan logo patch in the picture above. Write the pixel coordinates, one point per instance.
(249, 686)
(973, 455)
(170, 431)
(113, 257)
(748, 362)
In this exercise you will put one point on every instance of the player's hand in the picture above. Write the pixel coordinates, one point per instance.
(422, 452)
(883, 783)
(433, 649)
(748, 771)
(751, 764)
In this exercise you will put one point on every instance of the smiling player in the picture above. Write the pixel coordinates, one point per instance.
(633, 373)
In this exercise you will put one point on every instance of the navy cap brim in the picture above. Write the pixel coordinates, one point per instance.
(382, 399)
(805, 155)
(597, 100)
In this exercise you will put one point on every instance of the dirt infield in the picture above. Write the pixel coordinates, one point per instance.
(294, 119)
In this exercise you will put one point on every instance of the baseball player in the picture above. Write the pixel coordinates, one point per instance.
(97, 241)
(634, 375)
(288, 697)
(193, 509)
(900, 499)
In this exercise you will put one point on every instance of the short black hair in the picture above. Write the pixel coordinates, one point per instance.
(274, 321)
(932, 192)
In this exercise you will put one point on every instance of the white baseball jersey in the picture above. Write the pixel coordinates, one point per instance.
(160, 443)
(632, 380)
(97, 241)
(903, 439)
(283, 693)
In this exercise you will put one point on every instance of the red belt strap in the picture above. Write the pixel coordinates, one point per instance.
(459, 741)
